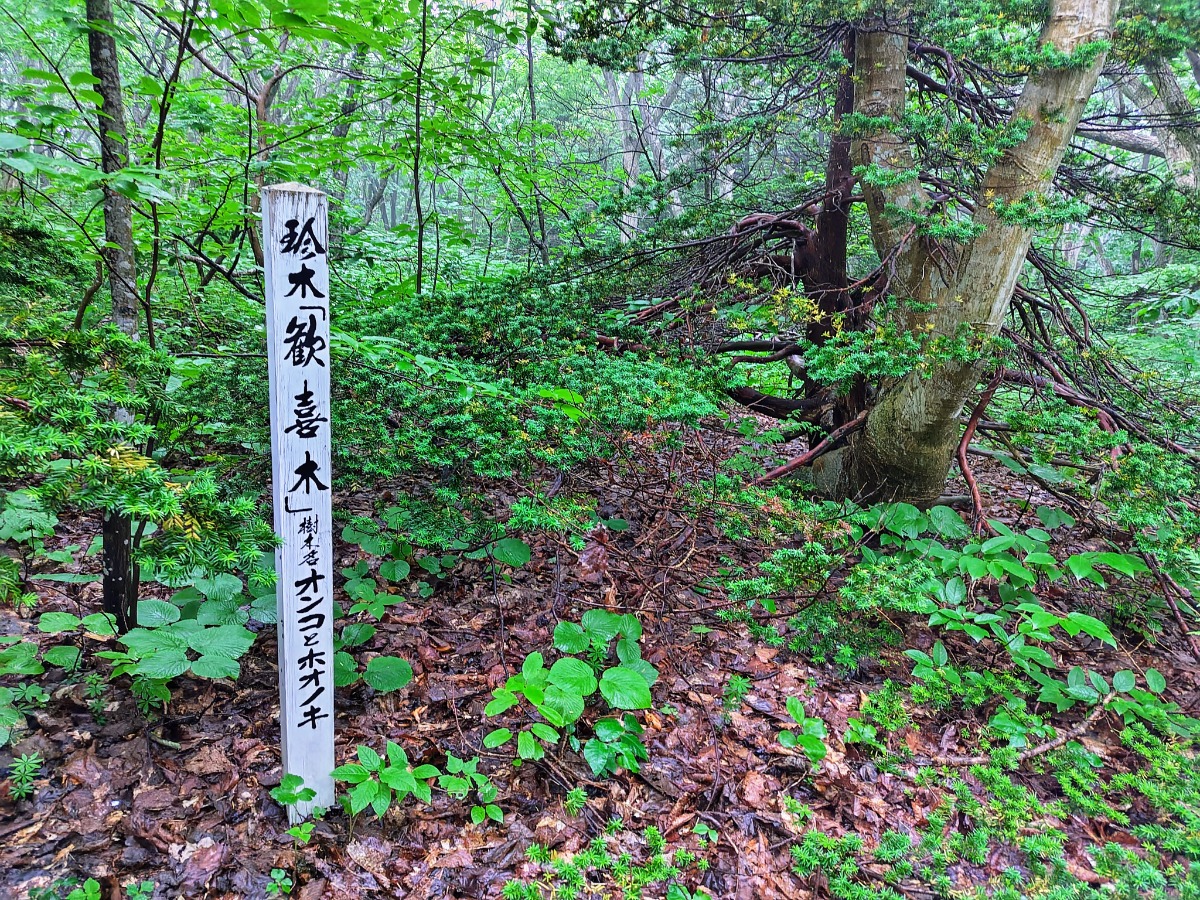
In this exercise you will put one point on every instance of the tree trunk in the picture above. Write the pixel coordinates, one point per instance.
(542, 243)
(120, 573)
(909, 441)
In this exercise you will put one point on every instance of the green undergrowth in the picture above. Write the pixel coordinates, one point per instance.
(489, 380)
(620, 862)
(987, 816)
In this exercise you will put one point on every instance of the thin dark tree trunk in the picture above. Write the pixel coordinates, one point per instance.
(120, 574)
(832, 236)
(416, 160)
(543, 245)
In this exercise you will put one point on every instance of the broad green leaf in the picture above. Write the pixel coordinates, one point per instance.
(998, 544)
(345, 669)
(528, 747)
(497, 738)
(58, 622)
(1124, 681)
(64, 656)
(1089, 625)
(362, 796)
(103, 624)
(388, 673)
(570, 638)
(221, 612)
(574, 674)
(225, 640)
(511, 552)
(795, 709)
(156, 613)
(940, 656)
(566, 703)
(214, 666)
(600, 623)
(357, 633)
(163, 664)
(142, 641)
(948, 523)
(1080, 565)
(501, 700)
(351, 772)
(629, 627)
(813, 747)
(1124, 563)
(20, 659)
(532, 668)
(368, 757)
(394, 570)
(223, 586)
(1155, 681)
(265, 609)
(624, 688)
(644, 669)
(598, 756)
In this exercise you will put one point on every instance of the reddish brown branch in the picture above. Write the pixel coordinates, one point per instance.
(1169, 588)
(979, 522)
(823, 447)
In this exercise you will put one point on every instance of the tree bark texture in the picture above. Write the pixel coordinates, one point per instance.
(120, 574)
(907, 447)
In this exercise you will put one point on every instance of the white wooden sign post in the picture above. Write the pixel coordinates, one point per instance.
(295, 238)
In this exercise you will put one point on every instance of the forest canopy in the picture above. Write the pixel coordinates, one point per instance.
(764, 446)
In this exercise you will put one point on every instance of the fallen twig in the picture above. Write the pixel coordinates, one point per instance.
(1040, 749)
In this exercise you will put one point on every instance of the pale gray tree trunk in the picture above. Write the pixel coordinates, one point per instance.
(909, 441)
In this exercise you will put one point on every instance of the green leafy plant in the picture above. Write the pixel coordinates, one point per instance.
(617, 745)
(288, 793)
(810, 739)
(280, 884)
(650, 868)
(561, 693)
(22, 774)
(463, 776)
(575, 801)
(379, 779)
(736, 689)
(705, 833)
(89, 890)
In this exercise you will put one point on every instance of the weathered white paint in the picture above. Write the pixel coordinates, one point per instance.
(297, 294)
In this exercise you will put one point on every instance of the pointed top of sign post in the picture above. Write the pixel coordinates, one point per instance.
(293, 186)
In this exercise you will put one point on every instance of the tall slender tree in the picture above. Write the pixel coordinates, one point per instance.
(120, 572)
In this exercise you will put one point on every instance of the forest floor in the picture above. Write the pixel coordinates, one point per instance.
(117, 802)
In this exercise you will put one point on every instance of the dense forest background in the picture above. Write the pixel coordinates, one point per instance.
(764, 447)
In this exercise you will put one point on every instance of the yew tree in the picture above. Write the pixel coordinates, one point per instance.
(906, 449)
(954, 136)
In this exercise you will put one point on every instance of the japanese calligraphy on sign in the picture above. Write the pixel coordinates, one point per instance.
(295, 235)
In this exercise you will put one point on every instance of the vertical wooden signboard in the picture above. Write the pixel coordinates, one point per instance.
(295, 238)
